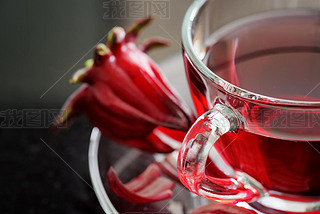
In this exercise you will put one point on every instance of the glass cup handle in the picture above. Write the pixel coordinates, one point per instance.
(194, 153)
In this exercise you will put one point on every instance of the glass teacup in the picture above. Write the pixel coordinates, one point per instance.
(254, 74)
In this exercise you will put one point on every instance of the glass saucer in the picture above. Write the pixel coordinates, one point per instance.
(128, 163)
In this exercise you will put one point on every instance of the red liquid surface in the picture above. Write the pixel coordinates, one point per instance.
(278, 56)
(287, 166)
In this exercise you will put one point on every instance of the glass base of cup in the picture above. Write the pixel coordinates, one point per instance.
(277, 205)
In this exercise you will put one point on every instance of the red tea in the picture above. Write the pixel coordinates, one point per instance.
(276, 54)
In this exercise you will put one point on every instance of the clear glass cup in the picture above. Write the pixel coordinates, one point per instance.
(253, 70)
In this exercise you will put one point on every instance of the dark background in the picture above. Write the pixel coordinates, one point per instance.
(42, 44)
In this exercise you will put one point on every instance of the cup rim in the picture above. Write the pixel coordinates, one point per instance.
(187, 46)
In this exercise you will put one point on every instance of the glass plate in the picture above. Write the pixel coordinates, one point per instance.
(128, 163)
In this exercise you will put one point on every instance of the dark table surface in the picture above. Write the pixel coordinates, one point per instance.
(42, 173)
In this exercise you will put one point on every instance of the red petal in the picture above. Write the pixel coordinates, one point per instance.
(175, 96)
(115, 125)
(148, 187)
(166, 111)
(169, 165)
(221, 208)
(72, 108)
(144, 179)
(174, 134)
(134, 30)
(152, 43)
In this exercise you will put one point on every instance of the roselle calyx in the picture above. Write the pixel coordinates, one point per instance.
(148, 187)
(125, 95)
(168, 165)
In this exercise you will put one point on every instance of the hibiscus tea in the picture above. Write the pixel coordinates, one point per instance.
(276, 54)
